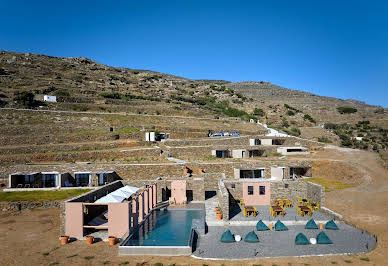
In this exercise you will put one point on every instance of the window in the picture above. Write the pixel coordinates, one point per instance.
(233, 186)
(257, 142)
(261, 190)
(29, 179)
(285, 185)
(102, 179)
(82, 180)
(256, 173)
(49, 180)
(250, 190)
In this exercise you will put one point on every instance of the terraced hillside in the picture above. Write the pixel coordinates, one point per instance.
(82, 85)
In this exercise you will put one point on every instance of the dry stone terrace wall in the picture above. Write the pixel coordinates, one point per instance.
(153, 171)
(242, 140)
(105, 155)
(203, 151)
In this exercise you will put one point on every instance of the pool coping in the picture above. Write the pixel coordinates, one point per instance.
(186, 250)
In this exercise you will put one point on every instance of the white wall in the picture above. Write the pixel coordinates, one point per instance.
(266, 142)
(48, 98)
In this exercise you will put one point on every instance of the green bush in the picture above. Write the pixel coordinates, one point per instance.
(293, 131)
(25, 98)
(63, 93)
(330, 126)
(290, 113)
(309, 118)
(292, 108)
(324, 140)
(111, 95)
(258, 112)
(346, 110)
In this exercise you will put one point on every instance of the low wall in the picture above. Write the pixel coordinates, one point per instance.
(29, 205)
(223, 199)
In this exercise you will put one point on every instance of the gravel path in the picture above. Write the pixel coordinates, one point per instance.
(281, 243)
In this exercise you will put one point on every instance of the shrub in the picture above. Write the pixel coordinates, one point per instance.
(324, 140)
(80, 108)
(292, 108)
(63, 93)
(330, 126)
(309, 118)
(25, 98)
(258, 112)
(346, 110)
(111, 95)
(290, 113)
(293, 131)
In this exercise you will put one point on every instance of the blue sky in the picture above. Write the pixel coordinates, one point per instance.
(329, 47)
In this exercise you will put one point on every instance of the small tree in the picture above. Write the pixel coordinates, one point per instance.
(25, 98)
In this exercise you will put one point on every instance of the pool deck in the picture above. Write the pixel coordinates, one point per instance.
(281, 243)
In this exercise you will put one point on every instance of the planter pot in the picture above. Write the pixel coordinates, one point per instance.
(219, 216)
(320, 226)
(112, 240)
(270, 226)
(64, 240)
(200, 170)
(89, 240)
(185, 170)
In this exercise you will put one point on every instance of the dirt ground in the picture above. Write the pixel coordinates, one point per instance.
(31, 237)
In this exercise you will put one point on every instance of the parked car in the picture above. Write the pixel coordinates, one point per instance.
(218, 134)
(235, 134)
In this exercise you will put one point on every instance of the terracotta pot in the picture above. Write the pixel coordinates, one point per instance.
(185, 170)
(219, 216)
(270, 226)
(112, 240)
(200, 170)
(64, 240)
(89, 240)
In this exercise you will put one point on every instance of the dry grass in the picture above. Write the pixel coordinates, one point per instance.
(329, 184)
(40, 195)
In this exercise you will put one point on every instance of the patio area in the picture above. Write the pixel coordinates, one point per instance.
(263, 213)
(347, 239)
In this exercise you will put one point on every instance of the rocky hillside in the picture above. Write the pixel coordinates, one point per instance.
(81, 84)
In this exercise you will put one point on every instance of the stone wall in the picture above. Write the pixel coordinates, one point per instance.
(316, 193)
(153, 171)
(223, 199)
(292, 189)
(29, 205)
(94, 195)
(288, 189)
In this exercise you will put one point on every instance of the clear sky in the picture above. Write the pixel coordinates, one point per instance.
(329, 47)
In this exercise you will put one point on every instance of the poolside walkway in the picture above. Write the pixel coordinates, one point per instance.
(210, 205)
(281, 243)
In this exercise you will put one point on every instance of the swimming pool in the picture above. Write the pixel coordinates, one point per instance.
(165, 228)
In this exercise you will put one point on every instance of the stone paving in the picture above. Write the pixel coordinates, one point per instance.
(281, 243)
(210, 205)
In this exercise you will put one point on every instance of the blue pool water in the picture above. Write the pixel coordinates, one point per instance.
(165, 228)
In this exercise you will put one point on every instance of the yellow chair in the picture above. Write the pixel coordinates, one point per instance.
(244, 210)
(300, 201)
(271, 210)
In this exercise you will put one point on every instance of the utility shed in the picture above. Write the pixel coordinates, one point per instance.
(49, 98)
(292, 150)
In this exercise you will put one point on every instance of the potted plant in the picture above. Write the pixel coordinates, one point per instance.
(89, 240)
(112, 240)
(185, 170)
(64, 240)
(200, 170)
(219, 214)
(218, 208)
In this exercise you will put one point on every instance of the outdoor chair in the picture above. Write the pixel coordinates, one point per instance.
(27, 185)
(36, 186)
(244, 210)
(300, 201)
(19, 186)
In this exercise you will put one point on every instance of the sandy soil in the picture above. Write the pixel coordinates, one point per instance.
(31, 237)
